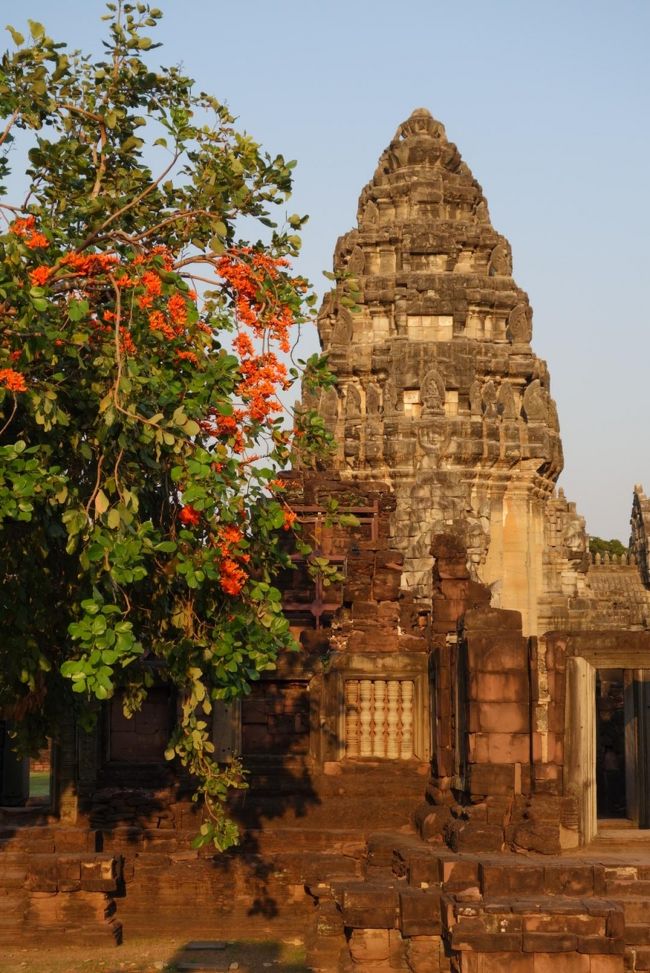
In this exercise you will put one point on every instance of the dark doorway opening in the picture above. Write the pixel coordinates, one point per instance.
(611, 798)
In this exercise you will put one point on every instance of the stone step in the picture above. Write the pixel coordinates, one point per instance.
(547, 924)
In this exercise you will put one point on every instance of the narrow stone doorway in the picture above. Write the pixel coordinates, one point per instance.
(622, 715)
(607, 739)
(611, 758)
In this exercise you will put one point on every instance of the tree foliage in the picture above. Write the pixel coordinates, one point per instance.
(141, 358)
(599, 546)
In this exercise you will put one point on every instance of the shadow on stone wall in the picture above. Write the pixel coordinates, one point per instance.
(283, 957)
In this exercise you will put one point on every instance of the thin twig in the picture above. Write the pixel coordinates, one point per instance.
(124, 209)
(9, 124)
(100, 463)
(10, 419)
(102, 161)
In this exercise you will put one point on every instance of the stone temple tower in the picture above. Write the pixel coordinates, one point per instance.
(439, 393)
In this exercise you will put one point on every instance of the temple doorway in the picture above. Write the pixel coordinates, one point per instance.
(622, 717)
(607, 742)
(611, 796)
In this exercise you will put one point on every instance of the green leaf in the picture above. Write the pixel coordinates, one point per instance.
(77, 310)
(36, 30)
(102, 502)
(167, 547)
(16, 36)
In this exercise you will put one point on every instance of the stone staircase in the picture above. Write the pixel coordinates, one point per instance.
(424, 909)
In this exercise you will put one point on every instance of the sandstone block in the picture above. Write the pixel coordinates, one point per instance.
(636, 934)
(420, 912)
(369, 945)
(601, 946)
(424, 870)
(616, 927)
(459, 873)
(498, 653)
(491, 779)
(491, 620)
(607, 964)
(499, 717)
(484, 942)
(474, 836)
(576, 880)
(370, 907)
(535, 836)
(642, 959)
(502, 880)
(571, 963)
(433, 823)
(42, 874)
(499, 748)
(69, 840)
(506, 963)
(424, 954)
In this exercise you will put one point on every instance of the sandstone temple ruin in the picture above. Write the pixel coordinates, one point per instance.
(454, 773)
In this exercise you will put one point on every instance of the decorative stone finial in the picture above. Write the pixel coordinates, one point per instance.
(421, 122)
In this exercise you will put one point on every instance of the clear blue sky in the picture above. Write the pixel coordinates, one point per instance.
(549, 103)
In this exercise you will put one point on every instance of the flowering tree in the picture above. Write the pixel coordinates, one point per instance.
(140, 365)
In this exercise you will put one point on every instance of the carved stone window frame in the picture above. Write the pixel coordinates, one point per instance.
(398, 666)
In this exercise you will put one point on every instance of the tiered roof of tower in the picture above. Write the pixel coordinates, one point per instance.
(438, 390)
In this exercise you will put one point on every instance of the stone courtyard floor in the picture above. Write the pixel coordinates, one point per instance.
(168, 956)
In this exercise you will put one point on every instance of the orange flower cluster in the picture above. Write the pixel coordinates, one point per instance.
(40, 275)
(262, 376)
(253, 278)
(27, 231)
(232, 578)
(152, 288)
(232, 573)
(158, 323)
(230, 535)
(227, 427)
(177, 307)
(174, 324)
(289, 519)
(89, 264)
(127, 344)
(263, 306)
(189, 516)
(12, 380)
